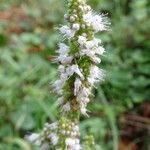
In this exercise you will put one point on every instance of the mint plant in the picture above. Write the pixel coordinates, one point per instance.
(78, 56)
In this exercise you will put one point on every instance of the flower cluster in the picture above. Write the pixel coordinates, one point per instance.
(57, 134)
(78, 57)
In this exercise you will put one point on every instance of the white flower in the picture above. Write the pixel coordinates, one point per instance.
(73, 144)
(76, 128)
(87, 8)
(77, 71)
(76, 26)
(100, 50)
(77, 85)
(64, 59)
(69, 71)
(66, 16)
(96, 74)
(92, 80)
(74, 69)
(66, 107)
(70, 33)
(93, 43)
(88, 17)
(81, 7)
(85, 100)
(52, 126)
(64, 77)
(70, 142)
(82, 40)
(84, 111)
(78, 147)
(91, 54)
(58, 85)
(64, 29)
(34, 138)
(63, 49)
(67, 31)
(87, 52)
(95, 59)
(72, 18)
(98, 23)
(92, 50)
(97, 41)
(61, 69)
(77, 141)
(86, 91)
(90, 44)
(54, 138)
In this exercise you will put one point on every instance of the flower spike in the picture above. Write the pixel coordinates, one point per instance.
(78, 57)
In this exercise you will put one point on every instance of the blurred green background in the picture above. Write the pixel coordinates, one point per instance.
(120, 110)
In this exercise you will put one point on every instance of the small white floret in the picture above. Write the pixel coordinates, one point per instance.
(76, 26)
(32, 137)
(82, 40)
(66, 107)
(90, 44)
(64, 59)
(70, 142)
(64, 29)
(77, 86)
(67, 31)
(63, 49)
(84, 111)
(74, 69)
(100, 50)
(57, 86)
(96, 59)
(54, 138)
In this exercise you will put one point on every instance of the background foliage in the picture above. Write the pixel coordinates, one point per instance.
(28, 41)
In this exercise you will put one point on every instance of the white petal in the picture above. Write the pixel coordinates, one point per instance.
(100, 50)
(70, 142)
(84, 111)
(64, 59)
(63, 49)
(77, 71)
(74, 69)
(58, 85)
(77, 86)
(54, 138)
(75, 26)
(66, 107)
(90, 44)
(61, 69)
(82, 40)
(64, 29)
(67, 31)
(96, 59)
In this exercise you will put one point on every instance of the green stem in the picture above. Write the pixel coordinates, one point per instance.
(111, 118)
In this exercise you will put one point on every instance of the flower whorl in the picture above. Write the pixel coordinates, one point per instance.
(78, 57)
